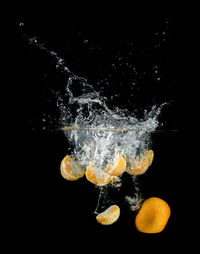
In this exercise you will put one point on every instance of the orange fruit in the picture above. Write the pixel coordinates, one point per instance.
(141, 163)
(97, 176)
(70, 170)
(117, 167)
(109, 216)
(153, 216)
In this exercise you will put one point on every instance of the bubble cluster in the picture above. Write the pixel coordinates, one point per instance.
(99, 134)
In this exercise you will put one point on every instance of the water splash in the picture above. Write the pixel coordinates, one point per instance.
(135, 199)
(97, 133)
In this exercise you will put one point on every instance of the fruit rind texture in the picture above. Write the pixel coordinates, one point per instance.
(152, 216)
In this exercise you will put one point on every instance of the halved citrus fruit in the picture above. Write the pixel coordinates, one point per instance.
(140, 165)
(109, 216)
(117, 167)
(97, 176)
(70, 170)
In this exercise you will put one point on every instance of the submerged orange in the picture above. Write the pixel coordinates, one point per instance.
(140, 165)
(97, 176)
(70, 170)
(109, 216)
(117, 167)
(153, 216)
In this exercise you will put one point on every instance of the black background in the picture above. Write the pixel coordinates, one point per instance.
(53, 212)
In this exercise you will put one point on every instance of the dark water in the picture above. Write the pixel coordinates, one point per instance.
(135, 63)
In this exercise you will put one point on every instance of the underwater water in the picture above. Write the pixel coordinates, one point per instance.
(99, 134)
